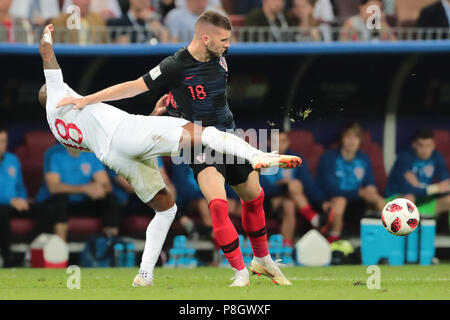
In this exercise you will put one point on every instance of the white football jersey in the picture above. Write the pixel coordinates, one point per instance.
(89, 129)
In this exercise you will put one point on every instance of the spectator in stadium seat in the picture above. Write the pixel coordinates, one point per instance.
(13, 29)
(356, 28)
(271, 16)
(420, 175)
(324, 15)
(181, 20)
(142, 23)
(13, 195)
(294, 192)
(76, 183)
(38, 12)
(108, 9)
(245, 6)
(302, 17)
(345, 175)
(87, 28)
(436, 15)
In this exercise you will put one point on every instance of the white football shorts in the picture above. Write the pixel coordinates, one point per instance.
(134, 148)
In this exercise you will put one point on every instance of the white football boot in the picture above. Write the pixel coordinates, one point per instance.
(241, 278)
(269, 268)
(142, 279)
(268, 160)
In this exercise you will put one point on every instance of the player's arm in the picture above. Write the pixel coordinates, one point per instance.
(119, 91)
(46, 49)
(55, 186)
(101, 177)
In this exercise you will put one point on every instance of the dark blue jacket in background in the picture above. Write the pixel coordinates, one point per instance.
(338, 177)
(11, 180)
(427, 172)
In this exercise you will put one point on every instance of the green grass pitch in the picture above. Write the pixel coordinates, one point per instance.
(211, 283)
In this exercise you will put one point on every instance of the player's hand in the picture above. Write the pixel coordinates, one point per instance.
(20, 204)
(412, 179)
(78, 103)
(161, 106)
(95, 191)
(47, 34)
(444, 186)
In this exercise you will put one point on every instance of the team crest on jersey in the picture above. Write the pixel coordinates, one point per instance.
(12, 172)
(359, 173)
(86, 168)
(223, 63)
(428, 170)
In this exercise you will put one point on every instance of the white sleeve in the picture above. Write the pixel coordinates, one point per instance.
(54, 80)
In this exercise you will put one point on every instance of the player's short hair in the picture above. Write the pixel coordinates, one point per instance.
(3, 129)
(423, 134)
(350, 127)
(214, 18)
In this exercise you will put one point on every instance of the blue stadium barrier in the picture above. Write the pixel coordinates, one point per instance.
(242, 49)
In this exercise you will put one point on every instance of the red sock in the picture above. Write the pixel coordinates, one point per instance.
(225, 234)
(332, 238)
(288, 243)
(254, 224)
(308, 212)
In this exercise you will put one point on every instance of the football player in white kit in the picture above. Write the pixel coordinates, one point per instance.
(129, 144)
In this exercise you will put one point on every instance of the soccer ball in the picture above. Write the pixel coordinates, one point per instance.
(400, 217)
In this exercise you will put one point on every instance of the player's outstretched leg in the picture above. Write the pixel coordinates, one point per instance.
(228, 143)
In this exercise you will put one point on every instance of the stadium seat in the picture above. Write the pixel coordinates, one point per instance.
(84, 225)
(375, 152)
(237, 20)
(302, 141)
(442, 138)
(408, 11)
(31, 156)
(21, 228)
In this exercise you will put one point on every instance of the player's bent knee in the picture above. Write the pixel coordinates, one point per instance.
(163, 200)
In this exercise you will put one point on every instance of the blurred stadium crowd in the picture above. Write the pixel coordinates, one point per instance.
(154, 21)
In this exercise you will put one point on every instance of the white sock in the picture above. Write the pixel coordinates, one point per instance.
(267, 258)
(228, 143)
(155, 236)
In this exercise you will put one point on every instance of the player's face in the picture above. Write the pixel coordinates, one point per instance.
(424, 148)
(351, 142)
(3, 141)
(218, 42)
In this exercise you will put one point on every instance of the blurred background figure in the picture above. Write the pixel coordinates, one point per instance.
(142, 25)
(108, 9)
(181, 20)
(76, 183)
(293, 192)
(324, 15)
(13, 29)
(81, 25)
(436, 15)
(13, 195)
(345, 175)
(420, 175)
(273, 17)
(302, 14)
(37, 12)
(356, 28)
